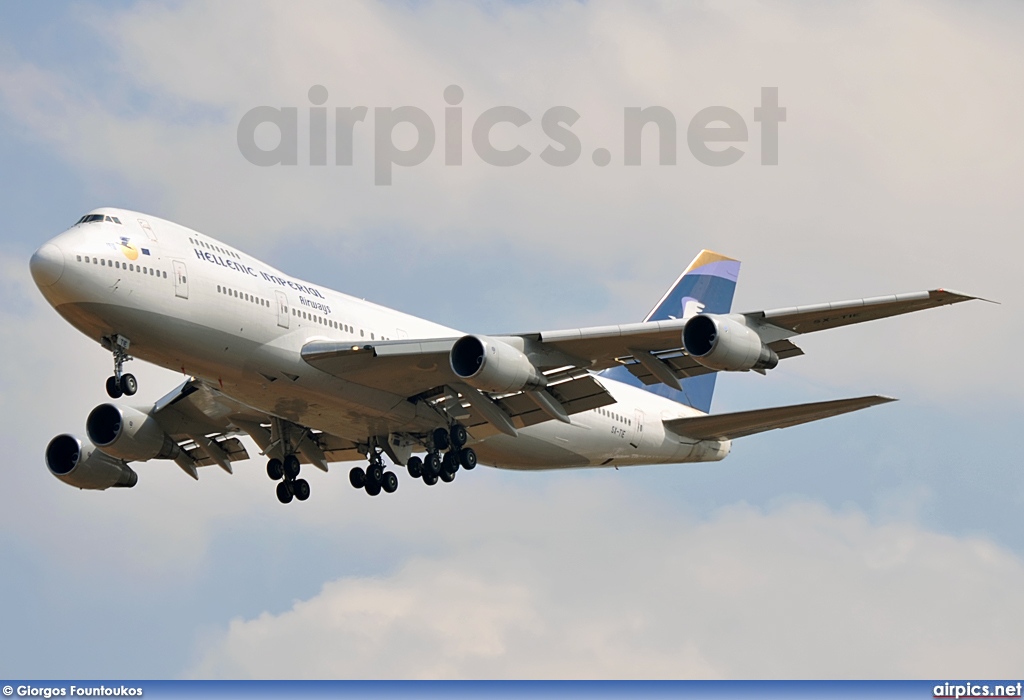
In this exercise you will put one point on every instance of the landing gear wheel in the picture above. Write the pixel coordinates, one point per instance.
(447, 477)
(458, 436)
(449, 464)
(129, 385)
(291, 467)
(441, 439)
(357, 477)
(300, 487)
(275, 470)
(390, 482)
(468, 458)
(431, 464)
(429, 479)
(284, 494)
(415, 467)
(372, 488)
(114, 388)
(374, 474)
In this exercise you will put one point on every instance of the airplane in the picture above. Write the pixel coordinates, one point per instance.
(315, 376)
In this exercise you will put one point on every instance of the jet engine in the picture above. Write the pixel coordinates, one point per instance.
(723, 343)
(79, 463)
(493, 365)
(129, 434)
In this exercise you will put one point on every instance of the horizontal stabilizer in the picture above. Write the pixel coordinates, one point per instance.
(729, 426)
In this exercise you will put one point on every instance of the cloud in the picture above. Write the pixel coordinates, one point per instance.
(599, 585)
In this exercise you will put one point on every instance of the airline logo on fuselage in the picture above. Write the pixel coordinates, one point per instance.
(127, 248)
(244, 269)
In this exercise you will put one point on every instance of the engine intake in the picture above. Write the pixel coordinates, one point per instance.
(723, 343)
(493, 365)
(129, 434)
(77, 462)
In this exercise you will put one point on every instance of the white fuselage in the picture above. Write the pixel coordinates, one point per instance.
(191, 303)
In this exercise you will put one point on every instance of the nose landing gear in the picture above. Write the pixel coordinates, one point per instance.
(120, 384)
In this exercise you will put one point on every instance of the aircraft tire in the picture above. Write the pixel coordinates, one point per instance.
(301, 489)
(129, 385)
(275, 470)
(374, 474)
(372, 488)
(432, 464)
(390, 482)
(291, 467)
(458, 436)
(447, 477)
(429, 479)
(467, 457)
(449, 464)
(114, 388)
(441, 439)
(415, 467)
(357, 477)
(284, 494)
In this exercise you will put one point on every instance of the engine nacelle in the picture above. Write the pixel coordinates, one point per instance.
(79, 463)
(129, 434)
(723, 343)
(493, 365)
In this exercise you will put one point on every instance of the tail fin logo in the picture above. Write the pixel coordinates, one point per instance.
(691, 307)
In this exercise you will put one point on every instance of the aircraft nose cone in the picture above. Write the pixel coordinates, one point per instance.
(47, 265)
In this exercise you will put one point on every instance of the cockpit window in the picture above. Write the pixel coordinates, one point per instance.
(89, 218)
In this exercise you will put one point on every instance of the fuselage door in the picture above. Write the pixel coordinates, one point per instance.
(282, 308)
(180, 279)
(637, 438)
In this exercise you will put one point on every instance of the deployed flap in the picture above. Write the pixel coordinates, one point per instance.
(819, 317)
(729, 426)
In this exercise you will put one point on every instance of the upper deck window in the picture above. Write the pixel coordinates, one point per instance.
(89, 218)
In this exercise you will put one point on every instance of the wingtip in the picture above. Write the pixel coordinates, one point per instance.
(964, 297)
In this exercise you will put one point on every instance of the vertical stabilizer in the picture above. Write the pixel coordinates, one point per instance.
(707, 285)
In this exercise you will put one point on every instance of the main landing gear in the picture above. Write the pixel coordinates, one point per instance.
(374, 478)
(121, 384)
(434, 466)
(287, 472)
(431, 468)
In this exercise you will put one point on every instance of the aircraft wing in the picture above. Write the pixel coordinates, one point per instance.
(729, 426)
(206, 424)
(818, 317)
(652, 351)
(410, 367)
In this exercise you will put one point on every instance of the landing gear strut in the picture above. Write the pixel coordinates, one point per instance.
(121, 384)
(287, 473)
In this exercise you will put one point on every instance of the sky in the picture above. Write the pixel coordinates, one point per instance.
(887, 543)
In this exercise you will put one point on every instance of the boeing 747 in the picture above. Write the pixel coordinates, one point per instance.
(315, 376)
